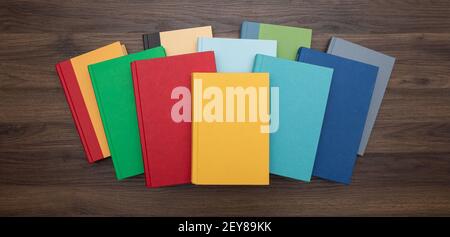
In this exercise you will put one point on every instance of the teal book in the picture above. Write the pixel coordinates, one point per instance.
(303, 95)
(289, 39)
(113, 87)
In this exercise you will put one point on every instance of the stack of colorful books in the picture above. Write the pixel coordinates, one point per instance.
(196, 109)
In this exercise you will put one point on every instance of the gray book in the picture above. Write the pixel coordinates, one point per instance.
(385, 63)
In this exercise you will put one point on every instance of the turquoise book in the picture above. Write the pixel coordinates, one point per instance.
(236, 55)
(113, 87)
(303, 95)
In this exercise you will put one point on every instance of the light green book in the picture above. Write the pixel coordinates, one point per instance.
(289, 39)
(113, 86)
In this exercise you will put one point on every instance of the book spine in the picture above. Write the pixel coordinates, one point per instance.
(151, 40)
(244, 30)
(300, 57)
(331, 45)
(144, 41)
(73, 111)
(258, 62)
(194, 126)
(250, 30)
(134, 72)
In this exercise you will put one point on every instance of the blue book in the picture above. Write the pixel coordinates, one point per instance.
(348, 104)
(303, 95)
(236, 55)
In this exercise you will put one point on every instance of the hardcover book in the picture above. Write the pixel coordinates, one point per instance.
(113, 87)
(177, 42)
(76, 82)
(289, 38)
(228, 146)
(385, 64)
(303, 98)
(164, 114)
(347, 107)
(237, 55)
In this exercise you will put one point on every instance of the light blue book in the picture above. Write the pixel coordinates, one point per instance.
(236, 55)
(303, 91)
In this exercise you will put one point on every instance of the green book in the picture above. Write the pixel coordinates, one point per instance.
(289, 39)
(113, 86)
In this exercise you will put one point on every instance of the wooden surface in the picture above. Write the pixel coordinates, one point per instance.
(43, 170)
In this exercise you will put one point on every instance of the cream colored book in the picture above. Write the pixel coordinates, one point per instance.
(177, 42)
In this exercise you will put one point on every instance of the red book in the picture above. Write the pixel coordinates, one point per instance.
(79, 111)
(76, 82)
(166, 144)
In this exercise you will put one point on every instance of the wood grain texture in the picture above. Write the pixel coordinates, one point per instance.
(43, 172)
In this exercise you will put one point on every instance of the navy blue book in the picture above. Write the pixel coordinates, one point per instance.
(345, 115)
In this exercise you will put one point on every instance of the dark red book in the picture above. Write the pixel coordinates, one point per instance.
(166, 144)
(79, 111)
(76, 82)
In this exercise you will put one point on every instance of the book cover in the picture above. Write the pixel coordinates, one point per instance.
(177, 42)
(113, 87)
(75, 80)
(385, 64)
(289, 39)
(303, 98)
(347, 107)
(228, 146)
(237, 55)
(162, 89)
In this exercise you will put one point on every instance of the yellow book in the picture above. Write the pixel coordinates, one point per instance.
(230, 115)
(80, 67)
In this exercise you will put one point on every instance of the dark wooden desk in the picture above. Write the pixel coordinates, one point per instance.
(406, 171)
